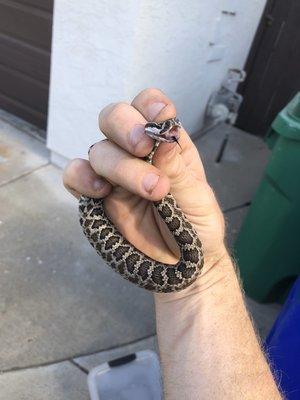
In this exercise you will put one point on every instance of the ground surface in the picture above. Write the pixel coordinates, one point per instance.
(58, 301)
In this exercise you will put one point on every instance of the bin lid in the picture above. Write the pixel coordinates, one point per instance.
(133, 377)
(287, 122)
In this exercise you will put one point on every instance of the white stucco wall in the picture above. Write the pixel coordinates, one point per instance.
(108, 50)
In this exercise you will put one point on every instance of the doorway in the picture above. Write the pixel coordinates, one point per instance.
(273, 67)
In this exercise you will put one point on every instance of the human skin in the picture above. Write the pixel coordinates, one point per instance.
(208, 346)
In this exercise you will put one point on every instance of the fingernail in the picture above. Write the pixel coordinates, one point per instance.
(98, 184)
(137, 134)
(90, 148)
(154, 109)
(150, 181)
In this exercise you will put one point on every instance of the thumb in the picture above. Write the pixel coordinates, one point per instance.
(183, 166)
(173, 159)
(185, 172)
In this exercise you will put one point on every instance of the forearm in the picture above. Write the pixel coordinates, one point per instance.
(207, 343)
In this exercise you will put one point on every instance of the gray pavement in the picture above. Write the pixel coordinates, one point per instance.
(234, 162)
(20, 153)
(235, 172)
(54, 288)
(63, 381)
(62, 311)
(93, 360)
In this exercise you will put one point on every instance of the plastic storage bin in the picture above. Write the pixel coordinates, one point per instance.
(133, 377)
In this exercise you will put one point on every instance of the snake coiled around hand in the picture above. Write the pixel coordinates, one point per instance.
(127, 260)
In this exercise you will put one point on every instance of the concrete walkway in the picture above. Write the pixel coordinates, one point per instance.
(62, 311)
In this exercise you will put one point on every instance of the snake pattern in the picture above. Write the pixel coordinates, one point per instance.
(127, 260)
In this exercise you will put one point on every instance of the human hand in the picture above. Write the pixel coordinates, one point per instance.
(130, 184)
(204, 332)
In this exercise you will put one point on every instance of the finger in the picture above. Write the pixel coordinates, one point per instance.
(125, 126)
(177, 164)
(154, 105)
(79, 178)
(133, 174)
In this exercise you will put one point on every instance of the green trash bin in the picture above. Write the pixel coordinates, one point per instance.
(267, 249)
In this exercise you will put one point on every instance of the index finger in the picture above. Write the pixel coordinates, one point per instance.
(125, 126)
(155, 106)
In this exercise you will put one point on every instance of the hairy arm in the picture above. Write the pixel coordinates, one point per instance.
(207, 342)
(208, 346)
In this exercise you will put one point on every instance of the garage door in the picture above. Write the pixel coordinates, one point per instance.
(25, 47)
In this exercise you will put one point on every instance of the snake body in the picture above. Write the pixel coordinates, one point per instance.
(130, 262)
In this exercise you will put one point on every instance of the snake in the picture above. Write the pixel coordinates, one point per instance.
(126, 259)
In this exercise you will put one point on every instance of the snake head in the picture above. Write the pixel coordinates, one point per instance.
(166, 131)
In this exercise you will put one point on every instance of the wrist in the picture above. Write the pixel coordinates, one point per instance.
(218, 269)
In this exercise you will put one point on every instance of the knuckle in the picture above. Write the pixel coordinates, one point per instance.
(102, 115)
(100, 153)
(154, 95)
(95, 149)
(76, 164)
(152, 92)
(111, 114)
(117, 112)
(72, 170)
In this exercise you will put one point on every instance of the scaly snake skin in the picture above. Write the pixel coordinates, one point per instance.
(127, 260)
